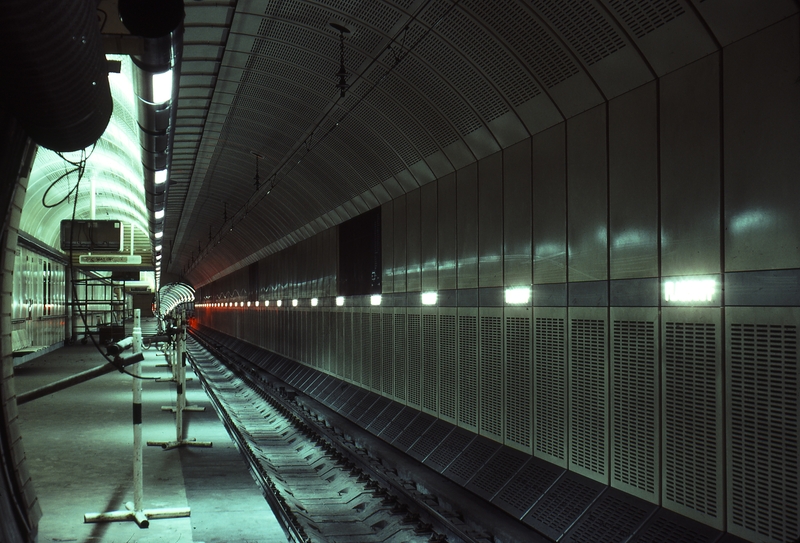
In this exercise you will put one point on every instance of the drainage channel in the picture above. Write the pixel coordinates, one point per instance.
(319, 490)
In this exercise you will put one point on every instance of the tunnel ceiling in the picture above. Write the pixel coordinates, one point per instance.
(434, 86)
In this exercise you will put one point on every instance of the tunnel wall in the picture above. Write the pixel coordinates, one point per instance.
(681, 393)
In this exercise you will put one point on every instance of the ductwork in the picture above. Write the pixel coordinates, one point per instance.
(160, 25)
(56, 74)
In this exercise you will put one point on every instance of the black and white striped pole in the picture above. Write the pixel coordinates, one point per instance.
(180, 404)
(134, 510)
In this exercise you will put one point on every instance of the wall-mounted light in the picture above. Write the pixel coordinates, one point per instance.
(429, 298)
(158, 247)
(248, 304)
(690, 290)
(159, 214)
(266, 304)
(314, 302)
(256, 303)
(279, 303)
(340, 301)
(294, 303)
(375, 299)
(160, 177)
(159, 235)
(162, 87)
(518, 295)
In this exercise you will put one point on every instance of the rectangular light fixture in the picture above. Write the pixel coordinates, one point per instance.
(294, 303)
(690, 290)
(159, 214)
(257, 302)
(518, 295)
(375, 299)
(314, 302)
(161, 177)
(340, 301)
(429, 298)
(159, 235)
(162, 87)
(279, 303)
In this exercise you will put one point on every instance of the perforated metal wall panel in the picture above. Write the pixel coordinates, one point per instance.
(448, 368)
(376, 358)
(357, 345)
(492, 408)
(588, 392)
(398, 424)
(431, 439)
(563, 503)
(400, 354)
(468, 368)
(692, 414)
(518, 379)
(668, 527)
(763, 423)
(449, 449)
(635, 402)
(366, 347)
(414, 354)
(497, 472)
(347, 344)
(468, 463)
(387, 351)
(526, 487)
(430, 361)
(550, 384)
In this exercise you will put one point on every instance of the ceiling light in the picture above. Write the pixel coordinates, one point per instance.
(162, 87)
(161, 177)
(159, 235)
(159, 247)
(159, 214)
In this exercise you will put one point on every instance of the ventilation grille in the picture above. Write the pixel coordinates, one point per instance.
(406, 137)
(347, 337)
(400, 356)
(376, 361)
(633, 406)
(496, 473)
(612, 519)
(387, 343)
(645, 17)
(414, 363)
(691, 433)
(468, 371)
(669, 527)
(398, 424)
(451, 447)
(430, 439)
(550, 403)
(366, 348)
(491, 382)
(341, 338)
(411, 434)
(474, 457)
(387, 416)
(583, 26)
(530, 41)
(361, 407)
(447, 367)
(562, 505)
(518, 382)
(588, 397)
(374, 410)
(526, 487)
(764, 430)
(430, 378)
(357, 341)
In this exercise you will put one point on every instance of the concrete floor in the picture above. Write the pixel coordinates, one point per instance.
(79, 445)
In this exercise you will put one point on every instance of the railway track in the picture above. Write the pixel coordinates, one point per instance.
(321, 485)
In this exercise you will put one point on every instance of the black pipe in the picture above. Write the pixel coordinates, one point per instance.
(55, 72)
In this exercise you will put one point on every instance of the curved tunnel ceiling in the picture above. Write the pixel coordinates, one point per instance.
(434, 86)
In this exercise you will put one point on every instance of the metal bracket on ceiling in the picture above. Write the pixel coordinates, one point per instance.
(342, 74)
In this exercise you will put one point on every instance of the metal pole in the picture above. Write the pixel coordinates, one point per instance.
(181, 377)
(138, 477)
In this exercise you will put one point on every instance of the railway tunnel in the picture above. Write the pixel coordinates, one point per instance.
(519, 270)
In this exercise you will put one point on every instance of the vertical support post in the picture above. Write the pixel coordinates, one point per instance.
(180, 370)
(138, 475)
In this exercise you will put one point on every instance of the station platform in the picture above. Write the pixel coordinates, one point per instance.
(79, 448)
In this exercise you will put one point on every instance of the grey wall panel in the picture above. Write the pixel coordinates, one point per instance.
(376, 358)
(400, 355)
(355, 369)
(429, 236)
(690, 169)
(387, 247)
(447, 233)
(490, 221)
(588, 392)
(414, 357)
(762, 223)
(367, 352)
(448, 364)
(692, 424)
(549, 187)
(518, 377)
(633, 184)
(517, 210)
(587, 193)
(413, 246)
(430, 361)
(550, 384)
(763, 482)
(400, 241)
(490, 374)
(387, 352)
(467, 222)
(635, 402)
(468, 368)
